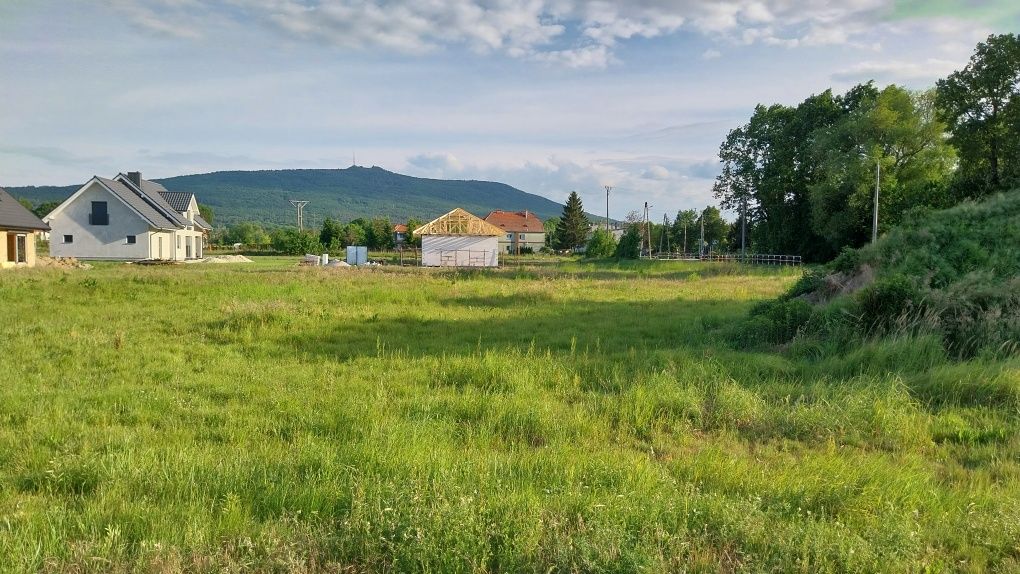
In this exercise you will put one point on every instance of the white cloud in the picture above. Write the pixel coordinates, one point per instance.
(437, 165)
(897, 71)
(572, 33)
(711, 54)
(656, 172)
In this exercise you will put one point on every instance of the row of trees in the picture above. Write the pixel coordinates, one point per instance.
(574, 230)
(333, 236)
(806, 174)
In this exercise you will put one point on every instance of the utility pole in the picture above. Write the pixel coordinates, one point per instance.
(664, 237)
(878, 182)
(300, 205)
(743, 230)
(701, 248)
(647, 239)
(608, 189)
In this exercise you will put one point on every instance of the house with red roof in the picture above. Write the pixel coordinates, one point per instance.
(522, 230)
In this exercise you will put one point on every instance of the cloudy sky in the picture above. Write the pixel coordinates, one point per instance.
(546, 95)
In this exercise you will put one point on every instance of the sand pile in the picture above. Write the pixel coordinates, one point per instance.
(61, 262)
(227, 259)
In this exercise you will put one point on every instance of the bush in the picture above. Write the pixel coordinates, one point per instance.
(602, 245)
(629, 246)
(290, 241)
(886, 300)
(772, 323)
(809, 282)
(846, 262)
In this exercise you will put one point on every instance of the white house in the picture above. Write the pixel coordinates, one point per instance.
(459, 239)
(127, 218)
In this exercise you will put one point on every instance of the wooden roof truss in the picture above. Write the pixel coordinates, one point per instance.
(459, 222)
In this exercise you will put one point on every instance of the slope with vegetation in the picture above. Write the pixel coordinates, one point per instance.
(355, 192)
(949, 280)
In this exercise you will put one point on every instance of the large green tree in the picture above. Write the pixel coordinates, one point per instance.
(412, 224)
(900, 131)
(981, 104)
(44, 208)
(380, 233)
(683, 229)
(572, 230)
(767, 167)
(207, 213)
(715, 229)
(330, 235)
(246, 233)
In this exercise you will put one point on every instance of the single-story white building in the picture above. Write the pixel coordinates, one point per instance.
(459, 239)
(127, 218)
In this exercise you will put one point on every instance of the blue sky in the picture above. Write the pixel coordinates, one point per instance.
(546, 95)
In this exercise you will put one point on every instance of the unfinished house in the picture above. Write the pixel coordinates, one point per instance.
(459, 239)
(19, 228)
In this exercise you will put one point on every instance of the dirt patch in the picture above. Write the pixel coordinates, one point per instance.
(839, 284)
(61, 263)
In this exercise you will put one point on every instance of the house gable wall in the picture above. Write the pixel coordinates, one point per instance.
(98, 241)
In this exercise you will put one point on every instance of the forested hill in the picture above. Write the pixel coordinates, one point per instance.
(340, 193)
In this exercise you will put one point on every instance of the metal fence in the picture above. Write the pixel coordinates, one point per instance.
(751, 259)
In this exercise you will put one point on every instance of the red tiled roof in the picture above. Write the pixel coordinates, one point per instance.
(400, 228)
(516, 221)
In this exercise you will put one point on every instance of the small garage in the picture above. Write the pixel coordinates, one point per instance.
(459, 239)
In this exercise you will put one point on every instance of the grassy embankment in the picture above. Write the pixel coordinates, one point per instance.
(565, 418)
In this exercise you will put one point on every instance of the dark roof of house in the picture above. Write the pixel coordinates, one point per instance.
(13, 215)
(178, 200)
(141, 203)
(151, 192)
(516, 221)
(201, 222)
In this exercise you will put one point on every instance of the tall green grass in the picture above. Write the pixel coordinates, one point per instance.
(569, 417)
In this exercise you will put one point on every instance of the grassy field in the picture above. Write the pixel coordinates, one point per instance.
(556, 418)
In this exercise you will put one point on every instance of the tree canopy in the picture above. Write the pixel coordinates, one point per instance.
(981, 105)
(573, 227)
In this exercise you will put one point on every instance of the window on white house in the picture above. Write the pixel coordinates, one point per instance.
(68, 239)
(99, 215)
(178, 242)
(521, 237)
(131, 239)
(509, 236)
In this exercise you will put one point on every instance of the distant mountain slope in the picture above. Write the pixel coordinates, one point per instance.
(342, 193)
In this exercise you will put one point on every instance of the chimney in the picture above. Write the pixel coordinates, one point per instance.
(136, 178)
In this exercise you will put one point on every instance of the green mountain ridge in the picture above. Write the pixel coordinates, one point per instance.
(339, 193)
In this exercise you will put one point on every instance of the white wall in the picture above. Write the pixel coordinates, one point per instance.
(459, 251)
(98, 241)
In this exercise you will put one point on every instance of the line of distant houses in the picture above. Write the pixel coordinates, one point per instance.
(129, 218)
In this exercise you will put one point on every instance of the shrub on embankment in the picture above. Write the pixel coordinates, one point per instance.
(954, 274)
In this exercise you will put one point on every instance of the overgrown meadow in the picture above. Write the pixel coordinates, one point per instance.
(554, 418)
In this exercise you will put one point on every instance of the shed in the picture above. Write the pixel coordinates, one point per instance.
(459, 239)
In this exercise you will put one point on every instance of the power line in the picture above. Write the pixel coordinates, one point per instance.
(300, 205)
